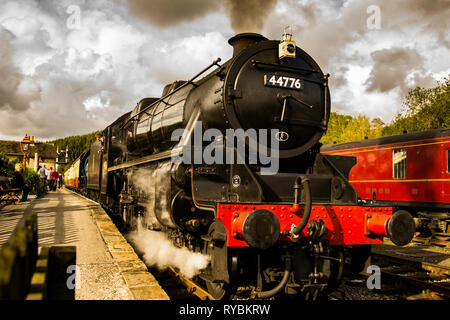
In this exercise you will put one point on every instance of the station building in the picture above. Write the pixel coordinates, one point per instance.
(45, 152)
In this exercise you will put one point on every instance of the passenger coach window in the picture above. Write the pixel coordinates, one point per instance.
(399, 163)
(448, 160)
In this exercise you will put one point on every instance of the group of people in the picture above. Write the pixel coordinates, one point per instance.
(52, 179)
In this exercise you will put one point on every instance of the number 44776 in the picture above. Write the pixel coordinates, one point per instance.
(281, 81)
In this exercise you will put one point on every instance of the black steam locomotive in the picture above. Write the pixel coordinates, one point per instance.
(278, 223)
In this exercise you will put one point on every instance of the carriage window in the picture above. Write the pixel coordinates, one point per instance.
(448, 160)
(399, 163)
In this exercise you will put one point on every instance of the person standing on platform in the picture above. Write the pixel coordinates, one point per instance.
(54, 177)
(60, 181)
(43, 175)
(19, 182)
(48, 173)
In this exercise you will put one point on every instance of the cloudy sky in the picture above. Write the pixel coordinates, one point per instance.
(69, 67)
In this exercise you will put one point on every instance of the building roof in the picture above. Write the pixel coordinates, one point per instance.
(12, 148)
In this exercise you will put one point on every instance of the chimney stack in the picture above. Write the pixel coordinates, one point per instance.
(242, 41)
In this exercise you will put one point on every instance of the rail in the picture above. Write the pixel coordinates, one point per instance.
(432, 279)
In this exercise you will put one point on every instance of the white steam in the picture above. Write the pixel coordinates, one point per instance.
(159, 251)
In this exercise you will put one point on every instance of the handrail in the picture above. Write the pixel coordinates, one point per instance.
(214, 63)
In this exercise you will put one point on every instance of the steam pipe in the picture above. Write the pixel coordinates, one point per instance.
(280, 286)
(308, 202)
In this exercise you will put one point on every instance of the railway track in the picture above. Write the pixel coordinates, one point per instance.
(402, 278)
(412, 279)
(176, 286)
(179, 287)
(405, 278)
(442, 241)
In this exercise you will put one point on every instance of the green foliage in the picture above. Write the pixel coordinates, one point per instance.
(344, 128)
(6, 165)
(36, 184)
(31, 177)
(77, 146)
(423, 109)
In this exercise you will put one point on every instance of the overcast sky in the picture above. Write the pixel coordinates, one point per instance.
(70, 67)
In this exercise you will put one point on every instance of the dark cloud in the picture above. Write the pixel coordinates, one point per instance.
(392, 67)
(430, 15)
(164, 13)
(339, 78)
(16, 90)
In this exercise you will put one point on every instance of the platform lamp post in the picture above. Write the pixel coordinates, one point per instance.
(25, 146)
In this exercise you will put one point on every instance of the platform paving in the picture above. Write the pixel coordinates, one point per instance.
(10, 215)
(109, 267)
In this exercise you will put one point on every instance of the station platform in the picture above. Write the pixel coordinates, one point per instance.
(109, 269)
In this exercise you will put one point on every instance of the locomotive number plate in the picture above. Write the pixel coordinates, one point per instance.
(273, 80)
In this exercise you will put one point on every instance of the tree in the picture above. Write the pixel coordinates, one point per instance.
(336, 125)
(77, 145)
(6, 166)
(344, 128)
(423, 109)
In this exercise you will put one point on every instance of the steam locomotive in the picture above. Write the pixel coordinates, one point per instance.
(273, 214)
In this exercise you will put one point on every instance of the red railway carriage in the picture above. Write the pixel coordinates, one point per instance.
(409, 170)
(71, 176)
(75, 174)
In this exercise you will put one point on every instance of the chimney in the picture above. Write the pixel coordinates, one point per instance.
(243, 40)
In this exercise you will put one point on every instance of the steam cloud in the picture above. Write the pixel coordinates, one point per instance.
(249, 15)
(158, 251)
(156, 248)
(165, 13)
